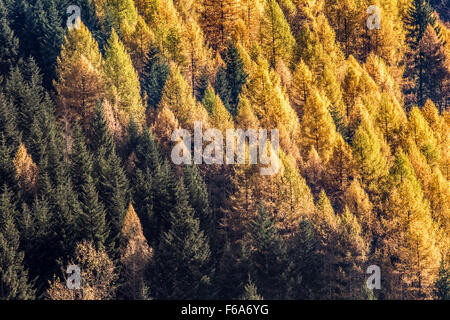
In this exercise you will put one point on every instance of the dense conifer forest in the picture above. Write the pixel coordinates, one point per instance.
(92, 90)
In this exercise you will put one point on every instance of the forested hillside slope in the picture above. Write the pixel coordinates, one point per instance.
(360, 96)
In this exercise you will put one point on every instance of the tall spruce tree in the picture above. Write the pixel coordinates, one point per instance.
(91, 223)
(110, 179)
(268, 257)
(442, 283)
(154, 75)
(303, 274)
(231, 78)
(198, 199)
(8, 42)
(14, 282)
(181, 267)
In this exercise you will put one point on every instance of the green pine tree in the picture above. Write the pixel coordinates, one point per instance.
(181, 267)
(268, 257)
(91, 224)
(14, 282)
(8, 42)
(154, 76)
(303, 272)
(198, 199)
(231, 78)
(442, 284)
(109, 176)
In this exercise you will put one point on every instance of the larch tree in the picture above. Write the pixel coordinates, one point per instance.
(122, 16)
(292, 199)
(162, 128)
(26, 170)
(317, 126)
(135, 256)
(346, 18)
(423, 136)
(370, 158)
(123, 88)
(275, 32)
(359, 204)
(97, 273)
(177, 97)
(391, 120)
(80, 80)
(139, 43)
(301, 87)
(218, 20)
(340, 171)
(270, 104)
(220, 117)
(407, 221)
(250, 292)
(197, 55)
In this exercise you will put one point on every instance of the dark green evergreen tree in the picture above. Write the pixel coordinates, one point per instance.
(154, 191)
(7, 170)
(420, 14)
(92, 223)
(8, 42)
(443, 8)
(132, 139)
(40, 27)
(24, 89)
(235, 76)
(303, 272)
(143, 202)
(232, 272)
(425, 67)
(198, 199)
(14, 282)
(181, 267)
(154, 76)
(110, 179)
(8, 124)
(222, 87)
(268, 256)
(35, 229)
(442, 284)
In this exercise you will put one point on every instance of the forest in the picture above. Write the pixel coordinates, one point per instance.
(92, 90)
